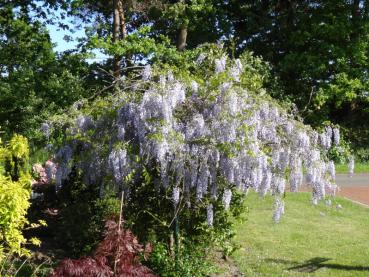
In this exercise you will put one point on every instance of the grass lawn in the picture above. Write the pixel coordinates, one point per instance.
(309, 240)
(359, 168)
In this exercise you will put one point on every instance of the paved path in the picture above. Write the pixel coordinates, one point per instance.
(355, 187)
(357, 180)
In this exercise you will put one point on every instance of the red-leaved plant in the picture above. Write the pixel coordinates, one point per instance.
(116, 255)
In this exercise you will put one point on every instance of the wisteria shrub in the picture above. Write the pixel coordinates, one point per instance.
(182, 141)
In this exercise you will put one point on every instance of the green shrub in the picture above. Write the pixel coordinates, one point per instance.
(362, 155)
(15, 190)
(191, 261)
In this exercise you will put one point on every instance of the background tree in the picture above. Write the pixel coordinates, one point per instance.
(112, 21)
(190, 23)
(34, 81)
(319, 51)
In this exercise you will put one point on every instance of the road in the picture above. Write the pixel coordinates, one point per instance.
(357, 180)
(355, 188)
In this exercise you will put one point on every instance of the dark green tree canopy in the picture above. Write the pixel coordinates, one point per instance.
(318, 50)
(34, 81)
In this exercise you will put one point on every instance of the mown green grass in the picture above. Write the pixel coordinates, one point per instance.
(309, 240)
(359, 168)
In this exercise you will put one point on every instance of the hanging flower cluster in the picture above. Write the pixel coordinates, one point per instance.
(351, 166)
(207, 135)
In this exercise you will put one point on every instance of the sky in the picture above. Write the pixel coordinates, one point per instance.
(57, 38)
(57, 35)
(60, 44)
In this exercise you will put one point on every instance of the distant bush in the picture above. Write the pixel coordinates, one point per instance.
(362, 155)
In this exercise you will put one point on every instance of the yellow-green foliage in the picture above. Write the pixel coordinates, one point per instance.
(13, 208)
(14, 195)
(18, 147)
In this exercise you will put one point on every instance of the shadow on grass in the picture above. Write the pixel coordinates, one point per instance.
(314, 264)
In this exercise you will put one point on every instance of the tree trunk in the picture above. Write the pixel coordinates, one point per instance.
(119, 33)
(366, 9)
(356, 8)
(182, 32)
(181, 39)
(123, 31)
(356, 17)
(122, 18)
(116, 37)
(356, 29)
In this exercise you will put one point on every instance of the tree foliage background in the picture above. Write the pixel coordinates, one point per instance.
(318, 51)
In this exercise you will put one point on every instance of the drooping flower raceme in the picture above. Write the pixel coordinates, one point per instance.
(64, 157)
(278, 210)
(220, 64)
(175, 196)
(45, 128)
(351, 165)
(227, 196)
(336, 136)
(200, 58)
(50, 168)
(146, 73)
(210, 214)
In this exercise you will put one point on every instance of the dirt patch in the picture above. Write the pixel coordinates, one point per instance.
(356, 193)
(359, 194)
(226, 267)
